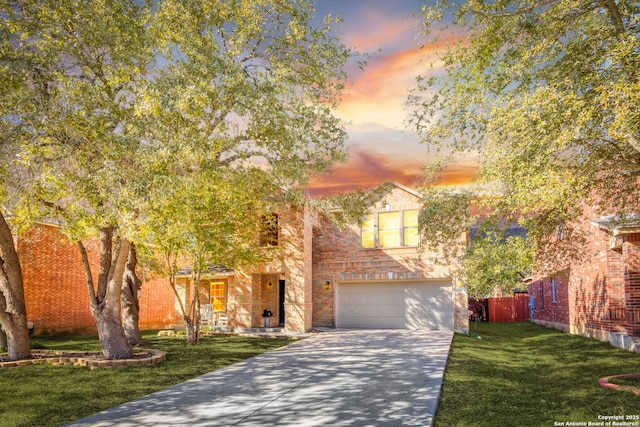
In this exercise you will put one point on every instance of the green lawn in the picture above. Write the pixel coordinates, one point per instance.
(44, 395)
(516, 375)
(522, 374)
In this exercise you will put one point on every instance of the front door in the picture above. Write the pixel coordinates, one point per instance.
(281, 302)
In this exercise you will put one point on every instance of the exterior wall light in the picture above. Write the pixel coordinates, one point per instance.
(327, 285)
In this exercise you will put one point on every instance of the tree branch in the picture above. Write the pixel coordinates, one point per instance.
(93, 301)
(106, 245)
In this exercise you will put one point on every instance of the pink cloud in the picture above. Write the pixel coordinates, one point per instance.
(388, 78)
(375, 29)
(366, 169)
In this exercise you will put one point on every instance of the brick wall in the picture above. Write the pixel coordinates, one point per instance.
(596, 292)
(297, 263)
(56, 295)
(54, 281)
(592, 292)
(338, 256)
(461, 312)
(157, 305)
(546, 309)
(631, 257)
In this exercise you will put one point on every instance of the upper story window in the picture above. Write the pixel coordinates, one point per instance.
(269, 230)
(367, 231)
(390, 229)
(410, 228)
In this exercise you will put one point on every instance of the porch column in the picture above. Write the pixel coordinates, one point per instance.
(296, 235)
(631, 257)
(241, 304)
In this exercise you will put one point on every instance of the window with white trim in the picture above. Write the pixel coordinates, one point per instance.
(368, 232)
(390, 229)
(410, 235)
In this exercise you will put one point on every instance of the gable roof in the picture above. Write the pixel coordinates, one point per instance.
(405, 188)
(619, 224)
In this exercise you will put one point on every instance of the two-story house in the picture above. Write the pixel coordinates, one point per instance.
(368, 275)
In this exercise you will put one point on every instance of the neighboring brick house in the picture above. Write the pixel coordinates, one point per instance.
(56, 296)
(600, 296)
(372, 275)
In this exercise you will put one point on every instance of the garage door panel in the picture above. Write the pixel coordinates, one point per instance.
(412, 305)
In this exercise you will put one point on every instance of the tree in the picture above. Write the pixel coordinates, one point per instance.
(237, 121)
(489, 256)
(73, 68)
(117, 97)
(546, 93)
(444, 220)
(13, 313)
(496, 261)
(201, 222)
(14, 333)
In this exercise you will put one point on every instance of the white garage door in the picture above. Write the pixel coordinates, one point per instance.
(395, 305)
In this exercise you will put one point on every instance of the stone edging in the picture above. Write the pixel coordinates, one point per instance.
(604, 382)
(84, 358)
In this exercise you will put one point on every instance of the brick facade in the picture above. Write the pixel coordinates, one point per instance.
(56, 296)
(600, 296)
(338, 256)
(54, 282)
(631, 259)
(551, 305)
(312, 257)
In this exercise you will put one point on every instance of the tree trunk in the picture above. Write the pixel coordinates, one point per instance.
(190, 315)
(130, 305)
(105, 303)
(3, 340)
(192, 318)
(13, 312)
(192, 330)
(112, 339)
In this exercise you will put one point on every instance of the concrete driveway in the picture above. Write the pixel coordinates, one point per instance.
(338, 378)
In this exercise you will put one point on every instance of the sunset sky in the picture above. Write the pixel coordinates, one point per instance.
(374, 105)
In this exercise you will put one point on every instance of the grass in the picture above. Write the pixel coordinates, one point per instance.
(522, 374)
(517, 374)
(45, 395)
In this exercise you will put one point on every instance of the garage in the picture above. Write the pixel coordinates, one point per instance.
(395, 305)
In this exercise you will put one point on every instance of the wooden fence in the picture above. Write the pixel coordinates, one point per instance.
(509, 309)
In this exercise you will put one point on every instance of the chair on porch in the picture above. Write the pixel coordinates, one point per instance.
(206, 314)
(222, 319)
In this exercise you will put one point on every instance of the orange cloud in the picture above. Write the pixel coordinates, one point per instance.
(374, 105)
(379, 93)
(365, 170)
(458, 174)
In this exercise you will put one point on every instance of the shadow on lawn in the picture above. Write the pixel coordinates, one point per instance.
(525, 374)
(350, 378)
